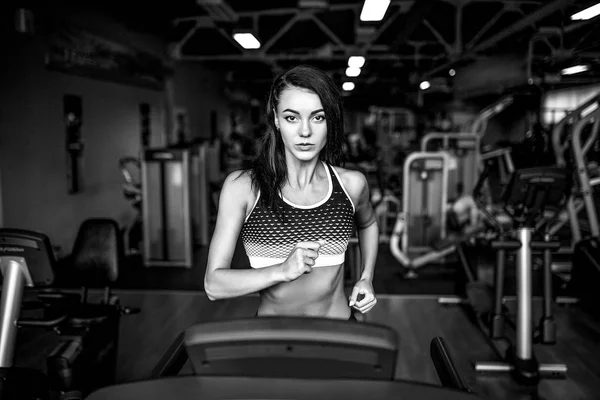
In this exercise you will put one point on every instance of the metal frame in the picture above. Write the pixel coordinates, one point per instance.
(523, 350)
(400, 234)
(572, 117)
(446, 137)
(406, 189)
(505, 153)
(560, 144)
(187, 258)
(444, 49)
(479, 126)
(1, 203)
(579, 153)
(16, 277)
(477, 46)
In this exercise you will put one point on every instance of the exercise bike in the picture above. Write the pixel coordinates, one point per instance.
(529, 196)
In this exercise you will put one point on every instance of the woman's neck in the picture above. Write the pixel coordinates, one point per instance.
(302, 175)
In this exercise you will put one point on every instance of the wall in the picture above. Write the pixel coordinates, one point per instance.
(199, 91)
(32, 135)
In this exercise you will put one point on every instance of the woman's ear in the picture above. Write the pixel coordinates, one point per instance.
(275, 119)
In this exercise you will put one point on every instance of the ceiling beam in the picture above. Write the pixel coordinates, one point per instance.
(411, 21)
(521, 24)
(285, 28)
(257, 57)
(449, 48)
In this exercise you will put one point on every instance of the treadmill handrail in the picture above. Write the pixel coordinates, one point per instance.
(444, 365)
(238, 387)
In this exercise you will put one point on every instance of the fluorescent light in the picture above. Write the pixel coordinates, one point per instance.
(352, 72)
(588, 13)
(348, 86)
(374, 10)
(575, 69)
(452, 72)
(247, 40)
(356, 61)
(425, 85)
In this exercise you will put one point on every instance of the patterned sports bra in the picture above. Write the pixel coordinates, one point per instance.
(269, 241)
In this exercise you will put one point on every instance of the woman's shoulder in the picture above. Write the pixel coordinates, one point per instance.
(354, 181)
(239, 182)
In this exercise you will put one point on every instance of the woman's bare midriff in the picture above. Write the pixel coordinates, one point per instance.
(319, 293)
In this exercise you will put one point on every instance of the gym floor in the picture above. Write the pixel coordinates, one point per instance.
(171, 299)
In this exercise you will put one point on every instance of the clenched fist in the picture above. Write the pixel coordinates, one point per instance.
(301, 259)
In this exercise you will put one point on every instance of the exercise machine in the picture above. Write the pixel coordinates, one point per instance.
(420, 236)
(423, 219)
(176, 204)
(463, 150)
(26, 260)
(289, 357)
(87, 332)
(284, 346)
(86, 356)
(571, 151)
(427, 230)
(251, 388)
(530, 194)
(562, 131)
(585, 271)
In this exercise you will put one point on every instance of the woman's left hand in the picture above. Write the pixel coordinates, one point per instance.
(364, 305)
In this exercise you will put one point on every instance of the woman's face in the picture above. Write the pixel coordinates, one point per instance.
(301, 120)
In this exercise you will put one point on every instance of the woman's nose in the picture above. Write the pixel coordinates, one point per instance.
(305, 129)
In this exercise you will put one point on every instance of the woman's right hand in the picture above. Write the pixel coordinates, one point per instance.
(300, 260)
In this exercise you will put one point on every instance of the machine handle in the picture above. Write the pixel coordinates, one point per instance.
(41, 323)
(541, 245)
(58, 296)
(504, 244)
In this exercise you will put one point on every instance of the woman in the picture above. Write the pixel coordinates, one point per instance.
(295, 210)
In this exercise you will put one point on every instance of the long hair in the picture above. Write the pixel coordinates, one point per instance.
(268, 170)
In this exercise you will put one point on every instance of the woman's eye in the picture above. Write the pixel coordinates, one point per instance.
(290, 118)
(320, 118)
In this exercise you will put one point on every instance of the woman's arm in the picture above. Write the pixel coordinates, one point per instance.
(368, 237)
(220, 281)
(366, 224)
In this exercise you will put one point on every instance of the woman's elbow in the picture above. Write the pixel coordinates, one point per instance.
(209, 288)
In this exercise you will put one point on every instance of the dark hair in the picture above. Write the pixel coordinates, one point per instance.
(268, 170)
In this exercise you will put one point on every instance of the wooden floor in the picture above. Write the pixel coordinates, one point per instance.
(146, 336)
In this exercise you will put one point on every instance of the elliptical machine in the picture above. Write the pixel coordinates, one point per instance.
(529, 196)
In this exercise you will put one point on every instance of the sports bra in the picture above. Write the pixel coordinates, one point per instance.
(268, 241)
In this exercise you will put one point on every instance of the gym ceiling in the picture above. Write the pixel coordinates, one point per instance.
(492, 46)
